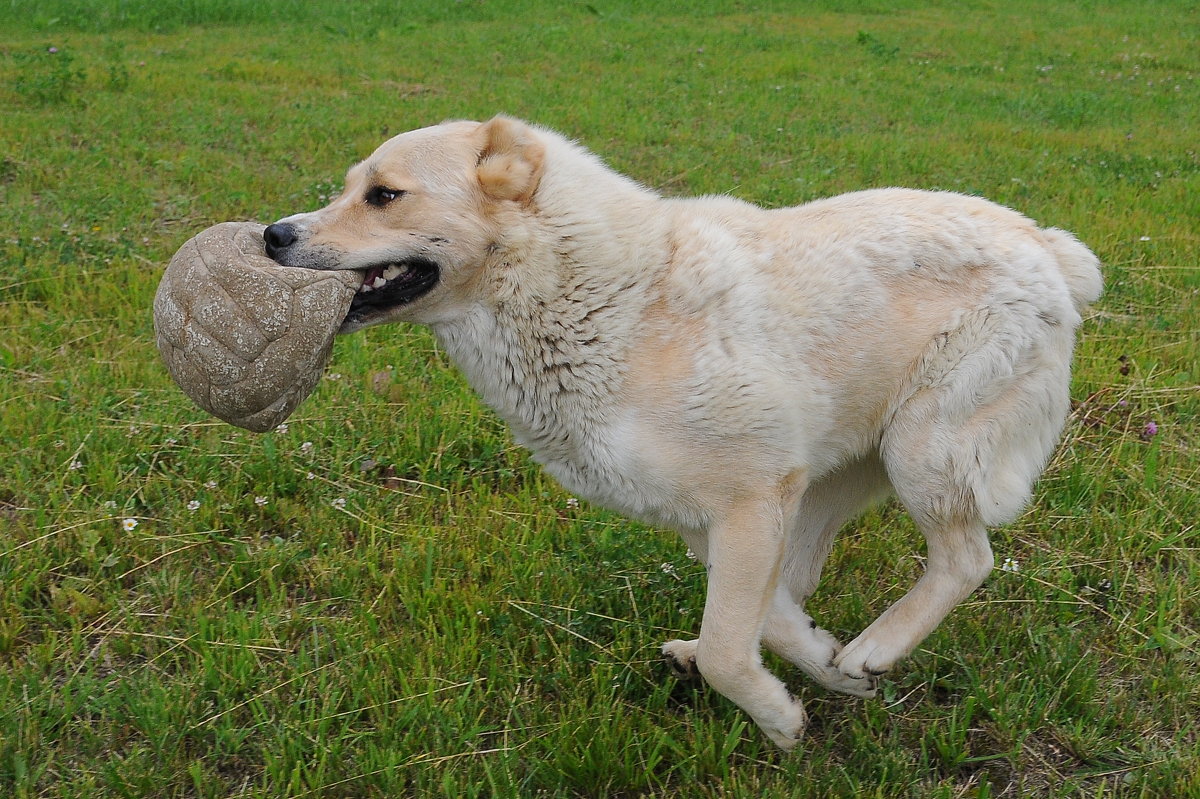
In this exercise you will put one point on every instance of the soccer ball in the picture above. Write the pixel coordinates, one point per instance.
(245, 338)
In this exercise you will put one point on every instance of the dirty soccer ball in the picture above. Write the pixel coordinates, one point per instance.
(245, 338)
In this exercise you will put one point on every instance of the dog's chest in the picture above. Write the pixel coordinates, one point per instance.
(556, 381)
(549, 373)
(606, 462)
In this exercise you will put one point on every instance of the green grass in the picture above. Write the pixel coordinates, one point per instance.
(412, 609)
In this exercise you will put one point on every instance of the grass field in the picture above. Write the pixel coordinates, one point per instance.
(387, 598)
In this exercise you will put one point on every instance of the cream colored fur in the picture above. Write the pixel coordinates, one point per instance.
(751, 378)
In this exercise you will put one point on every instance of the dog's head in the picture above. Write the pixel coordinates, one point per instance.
(419, 219)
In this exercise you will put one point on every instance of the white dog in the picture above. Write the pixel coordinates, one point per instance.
(750, 378)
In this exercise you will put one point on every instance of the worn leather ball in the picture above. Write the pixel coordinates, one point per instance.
(245, 338)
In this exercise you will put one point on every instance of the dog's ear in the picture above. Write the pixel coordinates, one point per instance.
(510, 159)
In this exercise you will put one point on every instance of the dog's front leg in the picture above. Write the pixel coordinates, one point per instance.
(744, 552)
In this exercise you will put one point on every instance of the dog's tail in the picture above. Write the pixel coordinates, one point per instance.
(1080, 267)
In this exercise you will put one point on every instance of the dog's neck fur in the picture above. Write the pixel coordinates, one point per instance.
(549, 347)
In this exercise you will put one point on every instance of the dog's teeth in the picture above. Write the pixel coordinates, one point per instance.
(365, 288)
(380, 282)
(392, 272)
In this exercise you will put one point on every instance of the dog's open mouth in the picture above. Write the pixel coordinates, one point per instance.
(389, 285)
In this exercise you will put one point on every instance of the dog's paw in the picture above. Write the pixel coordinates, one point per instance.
(834, 679)
(787, 730)
(823, 650)
(864, 661)
(681, 657)
(814, 651)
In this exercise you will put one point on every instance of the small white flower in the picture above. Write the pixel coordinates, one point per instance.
(76, 466)
(340, 503)
(333, 376)
(129, 524)
(282, 428)
(194, 505)
(170, 442)
(1144, 238)
(572, 503)
(210, 484)
(1010, 565)
(110, 505)
(306, 447)
(691, 555)
(668, 569)
(260, 501)
(311, 476)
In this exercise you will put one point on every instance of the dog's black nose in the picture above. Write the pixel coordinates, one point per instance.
(278, 237)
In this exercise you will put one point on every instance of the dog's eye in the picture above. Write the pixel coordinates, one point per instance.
(381, 196)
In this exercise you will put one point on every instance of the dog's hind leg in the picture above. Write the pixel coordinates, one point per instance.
(962, 453)
(744, 551)
(959, 559)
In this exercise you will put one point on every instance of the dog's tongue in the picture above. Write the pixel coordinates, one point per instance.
(372, 273)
